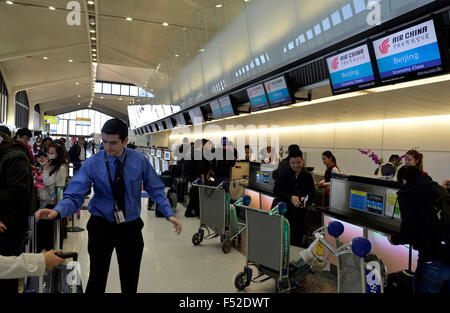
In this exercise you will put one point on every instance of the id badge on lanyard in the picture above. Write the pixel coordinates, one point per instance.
(118, 214)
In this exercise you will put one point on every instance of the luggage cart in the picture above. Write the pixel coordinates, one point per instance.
(268, 249)
(358, 270)
(217, 216)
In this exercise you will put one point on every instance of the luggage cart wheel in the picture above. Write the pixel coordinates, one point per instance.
(241, 281)
(226, 246)
(197, 239)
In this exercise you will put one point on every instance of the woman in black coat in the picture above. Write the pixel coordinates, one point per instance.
(295, 186)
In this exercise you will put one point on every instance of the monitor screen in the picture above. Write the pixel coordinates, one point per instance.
(410, 53)
(165, 166)
(168, 122)
(366, 202)
(392, 206)
(351, 70)
(160, 125)
(154, 128)
(158, 153)
(167, 155)
(215, 108)
(151, 160)
(226, 106)
(196, 115)
(157, 168)
(152, 151)
(180, 120)
(278, 92)
(258, 98)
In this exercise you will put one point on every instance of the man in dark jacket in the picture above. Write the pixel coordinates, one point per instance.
(293, 185)
(226, 157)
(16, 196)
(77, 154)
(285, 162)
(418, 229)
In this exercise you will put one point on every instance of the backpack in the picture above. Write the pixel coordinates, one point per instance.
(442, 220)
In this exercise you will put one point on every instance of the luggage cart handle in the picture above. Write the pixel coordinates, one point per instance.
(68, 255)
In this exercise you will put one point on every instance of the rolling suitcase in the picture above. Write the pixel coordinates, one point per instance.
(172, 197)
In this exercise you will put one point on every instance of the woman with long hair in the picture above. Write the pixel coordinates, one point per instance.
(415, 158)
(55, 169)
(329, 161)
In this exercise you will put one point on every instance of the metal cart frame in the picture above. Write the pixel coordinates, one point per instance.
(217, 217)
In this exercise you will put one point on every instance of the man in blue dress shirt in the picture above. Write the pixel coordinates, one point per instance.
(117, 174)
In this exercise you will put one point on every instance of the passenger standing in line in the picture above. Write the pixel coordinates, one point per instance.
(226, 157)
(329, 161)
(24, 135)
(77, 154)
(44, 148)
(415, 158)
(55, 174)
(37, 145)
(285, 162)
(199, 170)
(418, 229)
(293, 185)
(16, 200)
(117, 175)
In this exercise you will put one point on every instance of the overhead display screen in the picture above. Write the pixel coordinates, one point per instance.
(152, 151)
(409, 53)
(215, 108)
(278, 92)
(351, 70)
(258, 98)
(169, 123)
(153, 126)
(158, 153)
(167, 155)
(226, 106)
(160, 125)
(196, 115)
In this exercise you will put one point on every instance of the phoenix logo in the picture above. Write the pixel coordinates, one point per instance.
(269, 86)
(335, 63)
(384, 48)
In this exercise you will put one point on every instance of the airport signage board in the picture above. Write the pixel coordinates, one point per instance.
(226, 106)
(278, 92)
(258, 98)
(215, 108)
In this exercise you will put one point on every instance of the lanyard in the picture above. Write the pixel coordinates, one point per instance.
(119, 169)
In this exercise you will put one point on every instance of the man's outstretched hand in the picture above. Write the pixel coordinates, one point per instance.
(46, 214)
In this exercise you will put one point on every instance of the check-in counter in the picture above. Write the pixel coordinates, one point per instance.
(368, 208)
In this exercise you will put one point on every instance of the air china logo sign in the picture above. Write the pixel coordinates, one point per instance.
(335, 63)
(269, 87)
(384, 47)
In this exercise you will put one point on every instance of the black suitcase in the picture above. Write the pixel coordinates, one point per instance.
(179, 184)
(400, 282)
(64, 278)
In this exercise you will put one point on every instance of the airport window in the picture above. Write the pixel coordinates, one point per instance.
(359, 6)
(336, 18)
(326, 24)
(133, 91)
(22, 109)
(125, 90)
(98, 87)
(347, 12)
(106, 88)
(115, 89)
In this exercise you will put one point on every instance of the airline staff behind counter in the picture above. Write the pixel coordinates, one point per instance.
(115, 207)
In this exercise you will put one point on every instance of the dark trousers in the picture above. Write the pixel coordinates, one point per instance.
(297, 218)
(127, 239)
(11, 244)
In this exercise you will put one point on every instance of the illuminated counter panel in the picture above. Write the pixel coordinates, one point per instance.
(395, 257)
(254, 196)
(266, 202)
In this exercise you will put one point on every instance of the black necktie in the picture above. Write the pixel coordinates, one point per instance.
(119, 187)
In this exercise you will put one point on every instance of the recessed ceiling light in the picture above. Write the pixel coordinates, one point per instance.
(218, 5)
(94, 49)
(79, 96)
(9, 2)
(77, 83)
(93, 38)
(45, 58)
(101, 97)
(79, 103)
(201, 50)
(92, 30)
(177, 55)
(129, 19)
(91, 2)
(165, 24)
(120, 99)
(70, 61)
(52, 8)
